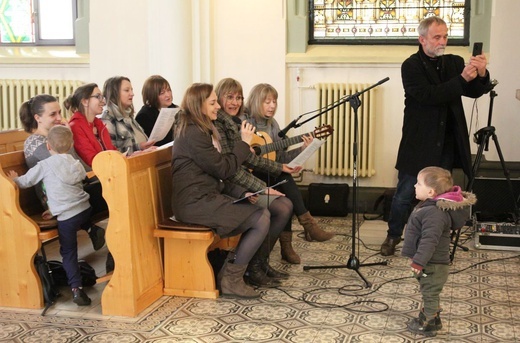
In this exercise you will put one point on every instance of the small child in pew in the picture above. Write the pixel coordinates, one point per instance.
(63, 176)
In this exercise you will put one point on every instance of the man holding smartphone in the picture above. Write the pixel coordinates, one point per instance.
(435, 132)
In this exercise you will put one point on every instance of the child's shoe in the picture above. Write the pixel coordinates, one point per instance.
(423, 327)
(97, 235)
(80, 298)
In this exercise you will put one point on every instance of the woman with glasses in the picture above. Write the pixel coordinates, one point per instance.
(157, 94)
(126, 133)
(90, 133)
(230, 97)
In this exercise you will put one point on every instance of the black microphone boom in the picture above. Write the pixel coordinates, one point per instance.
(292, 124)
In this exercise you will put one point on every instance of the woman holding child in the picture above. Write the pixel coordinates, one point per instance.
(38, 116)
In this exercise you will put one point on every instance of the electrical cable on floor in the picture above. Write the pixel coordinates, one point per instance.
(354, 288)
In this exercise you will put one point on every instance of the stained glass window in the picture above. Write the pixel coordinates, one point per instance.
(37, 22)
(383, 21)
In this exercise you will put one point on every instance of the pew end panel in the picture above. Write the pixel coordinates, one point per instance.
(12, 140)
(129, 186)
(20, 284)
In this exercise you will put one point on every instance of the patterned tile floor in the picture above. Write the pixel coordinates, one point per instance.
(481, 302)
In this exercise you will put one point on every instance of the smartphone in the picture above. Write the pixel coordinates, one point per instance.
(477, 48)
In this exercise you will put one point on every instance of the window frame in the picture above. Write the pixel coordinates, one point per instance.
(38, 41)
(464, 41)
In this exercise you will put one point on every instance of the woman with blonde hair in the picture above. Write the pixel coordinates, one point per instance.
(261, 107)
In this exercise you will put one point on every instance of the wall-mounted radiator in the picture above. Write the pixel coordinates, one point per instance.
(335, 157)
(15, 92)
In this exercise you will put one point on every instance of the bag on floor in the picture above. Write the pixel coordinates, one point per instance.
(328, 199)
(50, 289)
(383, 205)
(88, 274)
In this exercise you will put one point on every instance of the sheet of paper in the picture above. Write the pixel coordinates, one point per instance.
(260, 191)
(163, 124)
(306, 153)
(164, 146)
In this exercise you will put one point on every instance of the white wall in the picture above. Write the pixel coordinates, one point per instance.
(206, 40)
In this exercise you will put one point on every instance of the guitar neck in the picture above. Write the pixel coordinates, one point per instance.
(281, 144)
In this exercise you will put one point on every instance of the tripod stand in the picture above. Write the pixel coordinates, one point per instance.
(353, 261)
(481, 137)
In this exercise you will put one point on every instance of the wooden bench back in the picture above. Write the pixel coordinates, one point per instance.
(137, 190)
(12, 140)
(20, 285)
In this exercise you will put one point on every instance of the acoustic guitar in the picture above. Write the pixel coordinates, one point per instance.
(267, 148)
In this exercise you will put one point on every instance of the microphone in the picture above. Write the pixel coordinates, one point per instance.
(239, 123)
(283, 132)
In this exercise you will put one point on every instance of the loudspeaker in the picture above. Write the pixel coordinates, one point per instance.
(494, 200)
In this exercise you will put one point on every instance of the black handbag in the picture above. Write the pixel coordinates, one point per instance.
(328, 199)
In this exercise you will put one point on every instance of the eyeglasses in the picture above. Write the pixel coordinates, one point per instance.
(237, 98)
(100, 97)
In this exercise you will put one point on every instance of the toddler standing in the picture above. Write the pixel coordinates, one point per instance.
(443, 207)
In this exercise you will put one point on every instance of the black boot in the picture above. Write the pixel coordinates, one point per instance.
(256, 276)
(273, 273)
(423, 326)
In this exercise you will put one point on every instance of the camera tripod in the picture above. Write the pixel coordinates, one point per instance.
(481, 137)
(353, 261)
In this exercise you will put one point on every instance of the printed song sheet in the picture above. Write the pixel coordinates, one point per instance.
(306, 153)
(163, 124)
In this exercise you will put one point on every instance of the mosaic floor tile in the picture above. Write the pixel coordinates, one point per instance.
(480, 302)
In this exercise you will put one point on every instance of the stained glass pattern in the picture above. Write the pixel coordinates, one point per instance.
(382, 20)
(16, 21)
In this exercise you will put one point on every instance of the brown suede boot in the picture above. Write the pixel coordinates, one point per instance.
(312, 230)
(288, 253)
(232, 281)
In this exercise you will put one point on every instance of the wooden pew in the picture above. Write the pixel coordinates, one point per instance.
(21, 237)
(138, 192)
(12, 140)
(22, 232)
(130, 189)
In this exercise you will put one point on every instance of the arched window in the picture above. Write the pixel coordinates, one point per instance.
(37, 22)
(370, 22)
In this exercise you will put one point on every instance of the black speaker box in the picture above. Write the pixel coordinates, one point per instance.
(494, 199)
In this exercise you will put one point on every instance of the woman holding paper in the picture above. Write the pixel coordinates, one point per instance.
(200, 197)
(230, 98)
(90, 133)
(157, 94)
(126, 134)
(260, 110)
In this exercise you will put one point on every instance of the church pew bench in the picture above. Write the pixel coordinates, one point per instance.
(138, 193)
(23, 233)
(12, 140)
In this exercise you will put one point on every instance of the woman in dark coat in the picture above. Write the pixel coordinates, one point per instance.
(200, 197)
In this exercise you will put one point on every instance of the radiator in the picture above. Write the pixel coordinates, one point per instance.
(15, 92)
(335, 157)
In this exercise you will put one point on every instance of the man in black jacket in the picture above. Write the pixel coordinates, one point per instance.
(435, 132)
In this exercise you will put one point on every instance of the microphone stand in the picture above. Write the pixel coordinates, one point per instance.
(353, 261)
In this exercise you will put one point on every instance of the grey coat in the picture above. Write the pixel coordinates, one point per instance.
(428, 231)
(199, 196)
